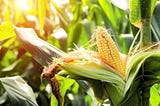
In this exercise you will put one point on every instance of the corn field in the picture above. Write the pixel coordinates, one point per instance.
(79, 53)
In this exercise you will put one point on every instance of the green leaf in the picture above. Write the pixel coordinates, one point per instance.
(123, 5)
(18, 91)
(96, 14)
(114, 18)
(64, 85)
(133, 99)
(135, 64)
(8, 58)
(61, 35)
(115, 93)
(43, 99)
(9, 42)
(3, 98)
(54, 101)
(94, 71)
(155, 23)
(140, 10)
(99, 90)
(3, 51)
(74, 39)
(155, 95)
(135, 12)
(62, 15)
(6, 31)
(42, 13)
(125, 40)
(107, 8)
(143, 72)
(41, 51)
(18, 65)
(93, 94)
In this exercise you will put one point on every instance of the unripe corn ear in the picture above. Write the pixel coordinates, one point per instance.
(108, 50)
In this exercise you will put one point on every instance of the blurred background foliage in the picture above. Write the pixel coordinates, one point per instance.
(64, 24)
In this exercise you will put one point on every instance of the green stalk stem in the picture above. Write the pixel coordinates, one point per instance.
(146, 33)
(145, 96)
(145, 40)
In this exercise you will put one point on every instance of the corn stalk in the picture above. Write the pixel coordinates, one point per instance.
(144, 8)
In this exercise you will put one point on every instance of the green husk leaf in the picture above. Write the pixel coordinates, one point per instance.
(136, 63)
(142, 73)
(94, 71)
(114, 82)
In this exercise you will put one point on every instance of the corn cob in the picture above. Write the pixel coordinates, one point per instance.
(108, 51)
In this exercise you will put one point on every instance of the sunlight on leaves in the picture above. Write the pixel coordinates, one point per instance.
(6, 31)
(42, 13)
(155, 95)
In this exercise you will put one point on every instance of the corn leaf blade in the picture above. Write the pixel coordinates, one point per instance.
(64, 85)
(6, 31)
(42, 13)
(143, 72)
(41, 51)
(154, 95)
(155, 23)
(18, 91)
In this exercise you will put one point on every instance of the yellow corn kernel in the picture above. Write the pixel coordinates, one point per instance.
(108, 50)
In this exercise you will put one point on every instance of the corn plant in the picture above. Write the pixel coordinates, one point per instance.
(102, 70)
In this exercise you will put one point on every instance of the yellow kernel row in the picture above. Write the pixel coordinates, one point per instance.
(108, 50)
